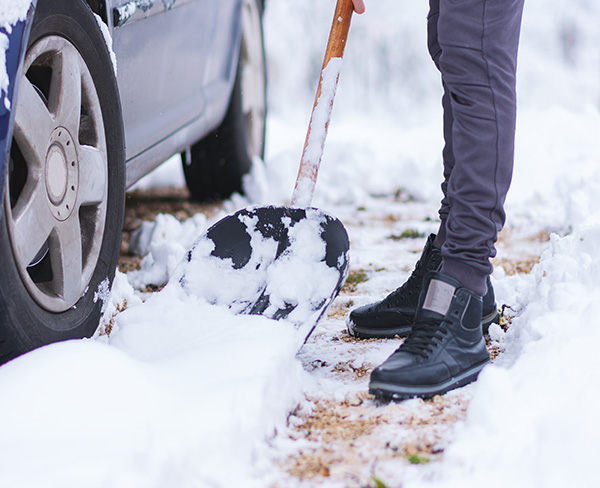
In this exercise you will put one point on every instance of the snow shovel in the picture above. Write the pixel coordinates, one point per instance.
(283, 262)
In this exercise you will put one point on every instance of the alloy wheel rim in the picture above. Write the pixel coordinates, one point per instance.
(57, 186)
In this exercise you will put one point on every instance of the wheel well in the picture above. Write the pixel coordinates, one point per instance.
(98, 7)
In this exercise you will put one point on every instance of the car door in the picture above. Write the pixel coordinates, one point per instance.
(161, 48)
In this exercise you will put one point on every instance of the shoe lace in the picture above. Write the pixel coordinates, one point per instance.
(411, 286)
(423, 336)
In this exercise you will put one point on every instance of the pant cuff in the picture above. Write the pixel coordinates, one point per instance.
(466, 275)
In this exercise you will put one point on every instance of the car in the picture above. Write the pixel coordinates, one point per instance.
(101, 92)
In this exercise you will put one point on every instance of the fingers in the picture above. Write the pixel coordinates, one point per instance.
(359, 6)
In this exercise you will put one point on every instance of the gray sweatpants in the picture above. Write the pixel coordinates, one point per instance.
(474, 44)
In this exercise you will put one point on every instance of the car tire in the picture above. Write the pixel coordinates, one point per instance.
(62, 214)
(214, 167)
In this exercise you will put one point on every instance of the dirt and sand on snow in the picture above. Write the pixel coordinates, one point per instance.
(339, 435)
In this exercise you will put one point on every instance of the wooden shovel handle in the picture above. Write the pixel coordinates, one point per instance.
(317, 128)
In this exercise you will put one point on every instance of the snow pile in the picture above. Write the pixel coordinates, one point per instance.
(533, 419)
(554, 158)
(183, 394)
(163, 243)
(232, 380)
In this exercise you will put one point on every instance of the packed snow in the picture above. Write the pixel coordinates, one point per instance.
(184, 393)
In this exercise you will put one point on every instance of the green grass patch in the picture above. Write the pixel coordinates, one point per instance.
(407, 234)
(355, 277)
(417, 459)
(377, 483)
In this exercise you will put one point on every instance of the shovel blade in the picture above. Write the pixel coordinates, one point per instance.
(281, 262)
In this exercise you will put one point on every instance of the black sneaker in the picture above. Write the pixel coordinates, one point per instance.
(444, 350)
(395, 314)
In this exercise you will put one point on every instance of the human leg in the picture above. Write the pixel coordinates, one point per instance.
(395, 314)
(435, 51)
(477, 42)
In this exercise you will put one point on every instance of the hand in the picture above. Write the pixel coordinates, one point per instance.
(359, 6)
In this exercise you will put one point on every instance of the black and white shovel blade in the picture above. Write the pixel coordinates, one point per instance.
(281, 262)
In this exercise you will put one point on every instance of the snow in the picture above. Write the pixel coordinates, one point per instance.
(540, 407)
(315, 142)
(215, 384)
(313, 281)
(108, 41)
(184, 393)
(126, 11)
(164, 243)
(11, 12)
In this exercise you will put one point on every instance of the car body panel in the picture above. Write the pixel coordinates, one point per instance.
(146, 87)
(166, 109)
(15, 53)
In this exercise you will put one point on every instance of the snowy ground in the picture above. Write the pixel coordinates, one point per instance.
(184, 394)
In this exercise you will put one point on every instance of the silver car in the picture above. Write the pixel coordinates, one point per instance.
(102, 92)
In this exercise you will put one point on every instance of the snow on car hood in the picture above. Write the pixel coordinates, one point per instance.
(11, 12)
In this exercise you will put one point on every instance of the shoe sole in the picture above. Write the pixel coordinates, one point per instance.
(392, 391)
(373, 333)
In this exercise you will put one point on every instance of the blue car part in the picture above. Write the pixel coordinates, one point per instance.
(17, 44)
